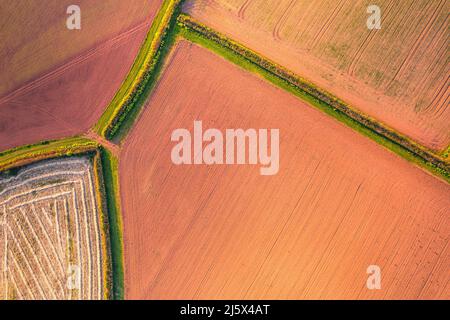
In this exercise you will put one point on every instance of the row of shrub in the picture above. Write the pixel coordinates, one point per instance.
(100, 191)
(13, 160)
(49, 149)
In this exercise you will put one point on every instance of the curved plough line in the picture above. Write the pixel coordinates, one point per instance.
(105, 191)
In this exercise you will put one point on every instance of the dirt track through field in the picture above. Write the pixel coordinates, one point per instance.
(339, 203)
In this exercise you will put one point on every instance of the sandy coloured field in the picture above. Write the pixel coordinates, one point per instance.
(51, 233)
(339, 203)
(57, 82)
(398, 74)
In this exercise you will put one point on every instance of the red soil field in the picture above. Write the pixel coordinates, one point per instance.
(338, 204)
(35, 39)
(398, 75)
(57, 82)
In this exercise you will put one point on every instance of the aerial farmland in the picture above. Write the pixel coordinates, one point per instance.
(64, 78)
(230, 233)
(224, 150)
(398, 74)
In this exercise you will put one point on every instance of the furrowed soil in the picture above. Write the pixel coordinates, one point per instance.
(398, 74)
(338, 204)
(57, 82)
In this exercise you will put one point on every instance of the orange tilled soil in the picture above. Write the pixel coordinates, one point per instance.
(338, 204)
(51, 228)
(398, 74)
(56, 82)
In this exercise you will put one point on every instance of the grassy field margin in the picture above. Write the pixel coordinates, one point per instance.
(182, 25)
(196, 32)
(115, 121)
(106, 188)
(104, 219)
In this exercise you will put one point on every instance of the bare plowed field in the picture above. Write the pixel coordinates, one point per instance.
(50, 233)
(398, 74)
(35, 39)
(338, 204)
(57, 82)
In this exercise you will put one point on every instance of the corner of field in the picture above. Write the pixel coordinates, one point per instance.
(106, 185)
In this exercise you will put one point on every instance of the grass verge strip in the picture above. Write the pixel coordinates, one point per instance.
(112, 198)
(100, 194)
(187, 27)
(128, 97)
(105, 171)
(240, 55)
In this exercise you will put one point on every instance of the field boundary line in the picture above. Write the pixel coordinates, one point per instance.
(107, 276)
(21, 156)
(110, 124)
(107, 168)
(434, 162)
(104, 180)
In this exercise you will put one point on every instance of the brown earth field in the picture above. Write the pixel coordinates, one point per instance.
(339, 203)
(398, 74)
(57, 82)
